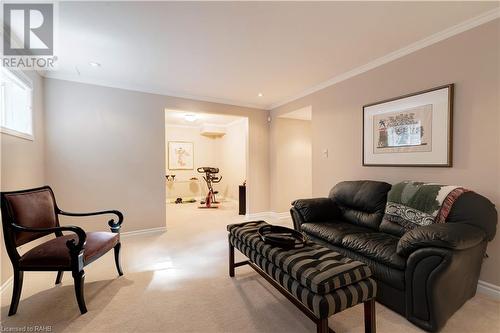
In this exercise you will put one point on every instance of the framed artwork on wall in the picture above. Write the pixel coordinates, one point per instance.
(180, 155)
(411, 130)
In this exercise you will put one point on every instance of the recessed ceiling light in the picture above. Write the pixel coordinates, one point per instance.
(190, 117)
(94, 64)
(260, 94)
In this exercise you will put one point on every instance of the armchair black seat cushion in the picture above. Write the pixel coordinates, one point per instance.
(425, 274)
(28, 215)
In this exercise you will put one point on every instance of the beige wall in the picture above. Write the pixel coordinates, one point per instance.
(233, 164)
(471, 61)
(106, 149)
(291, 162)
(22, 161)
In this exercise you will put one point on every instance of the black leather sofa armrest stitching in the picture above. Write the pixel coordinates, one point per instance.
(317, 209)
(455, 236)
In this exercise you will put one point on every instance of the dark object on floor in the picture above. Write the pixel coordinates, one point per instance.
(30, 214)
(178, 200)
(242, 199)
(210, 178)
(425, 274)
(318, 281)
(282, 237)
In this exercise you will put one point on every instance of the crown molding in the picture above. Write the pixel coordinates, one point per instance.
(133, 87)
(427, 41)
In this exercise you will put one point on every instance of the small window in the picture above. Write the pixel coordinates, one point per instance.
(16, 96)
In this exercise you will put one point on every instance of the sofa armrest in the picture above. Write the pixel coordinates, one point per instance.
(455, 236)
(313, 210)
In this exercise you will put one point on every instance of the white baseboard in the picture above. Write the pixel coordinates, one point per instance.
(142, 231)
(489, 289)
(267, 215)
(282, 215)
(258, 216)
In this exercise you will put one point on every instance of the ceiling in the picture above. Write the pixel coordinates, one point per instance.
(177, 117)
(231, 51)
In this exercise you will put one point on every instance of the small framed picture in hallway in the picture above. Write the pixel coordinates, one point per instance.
(180, 155)
(411, 130)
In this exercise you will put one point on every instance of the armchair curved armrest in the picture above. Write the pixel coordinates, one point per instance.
(80, 233)
(314, 210)
(455, 236)
(114, 226)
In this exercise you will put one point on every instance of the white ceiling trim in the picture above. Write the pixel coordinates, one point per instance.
(132, 87)
(435, 38)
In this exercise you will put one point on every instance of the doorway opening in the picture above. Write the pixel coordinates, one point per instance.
(205, 164)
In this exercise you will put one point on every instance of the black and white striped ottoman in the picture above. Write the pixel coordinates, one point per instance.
(319, 281)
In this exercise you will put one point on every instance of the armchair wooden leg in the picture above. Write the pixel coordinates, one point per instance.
(79, 278)
(117, 258)
(59, 276)
(16, 293)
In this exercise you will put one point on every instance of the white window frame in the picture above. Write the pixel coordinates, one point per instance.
(25, 81)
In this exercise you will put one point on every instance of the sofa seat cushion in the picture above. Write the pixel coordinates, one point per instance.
(55, 253)
(377, 246)
(384, 273)
(333, 231)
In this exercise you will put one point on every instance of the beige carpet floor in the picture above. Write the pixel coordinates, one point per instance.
(177, 281)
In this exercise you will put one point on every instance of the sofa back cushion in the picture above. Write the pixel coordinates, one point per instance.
(361, 202)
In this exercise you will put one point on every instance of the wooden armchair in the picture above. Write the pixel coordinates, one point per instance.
(30, 214)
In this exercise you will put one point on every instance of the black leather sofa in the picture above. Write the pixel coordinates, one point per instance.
(425, 274)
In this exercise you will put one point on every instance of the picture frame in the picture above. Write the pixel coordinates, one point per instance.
(413, 130)
(180, 155)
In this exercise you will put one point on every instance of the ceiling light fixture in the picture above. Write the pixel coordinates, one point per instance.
(260, 94)
(94, 64)
(190, 117)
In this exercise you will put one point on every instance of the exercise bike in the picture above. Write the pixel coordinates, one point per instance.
(210, 178)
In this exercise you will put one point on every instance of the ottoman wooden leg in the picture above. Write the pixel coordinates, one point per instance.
(370, 325)
(322, 326)
(231, 260)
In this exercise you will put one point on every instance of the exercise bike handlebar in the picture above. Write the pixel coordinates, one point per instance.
(207, 170)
